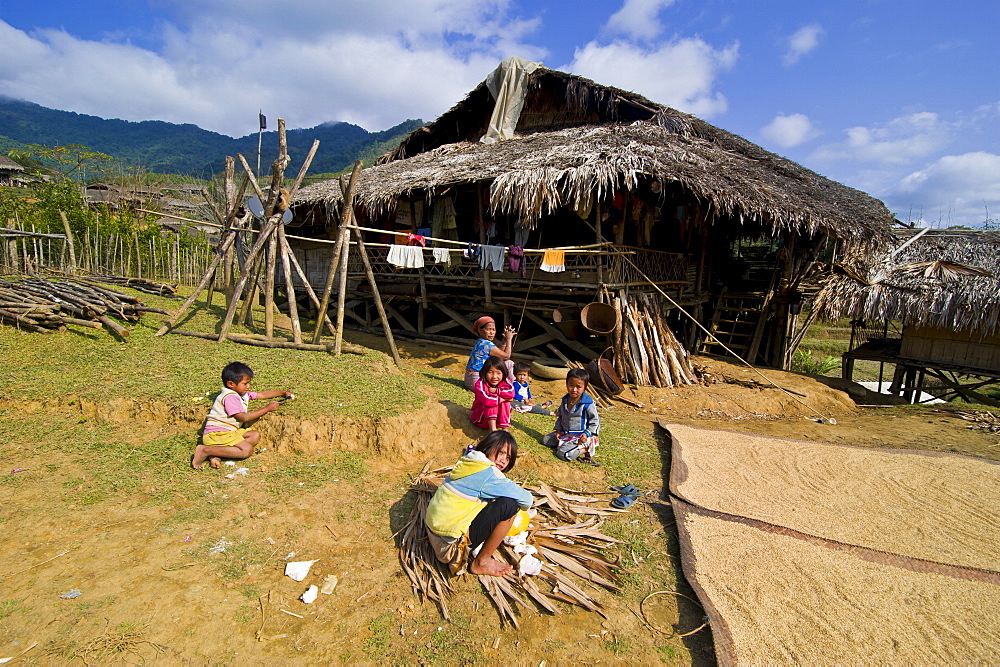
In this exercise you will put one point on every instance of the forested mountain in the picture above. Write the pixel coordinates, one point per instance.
(187, 149)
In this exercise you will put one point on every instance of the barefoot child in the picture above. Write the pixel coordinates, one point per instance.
(223, 437)
(577, 421)
(493, 394)
(523, 401)
(476, 505)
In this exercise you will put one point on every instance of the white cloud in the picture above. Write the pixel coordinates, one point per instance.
(373, 64)
(955, 189)
(901, 141)
(801, 42)
(638, 19)
(789, 131)
(681, 73)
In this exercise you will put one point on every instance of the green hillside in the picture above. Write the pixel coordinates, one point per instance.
(188, 150)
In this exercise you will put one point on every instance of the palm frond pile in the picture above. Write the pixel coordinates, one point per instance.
(566, 532)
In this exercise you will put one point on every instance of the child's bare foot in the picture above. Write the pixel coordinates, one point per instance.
(198, 458)
(490, 566)
(214, 461)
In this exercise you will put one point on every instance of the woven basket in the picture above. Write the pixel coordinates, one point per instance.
(600, 318)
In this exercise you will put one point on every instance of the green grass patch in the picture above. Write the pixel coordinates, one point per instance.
(180, 370)
(10, 607)
(452, 644)
(377, 641)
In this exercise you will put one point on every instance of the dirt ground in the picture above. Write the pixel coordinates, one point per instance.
(187, 566)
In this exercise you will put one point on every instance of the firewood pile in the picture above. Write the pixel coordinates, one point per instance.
(44, 306)
(565, 532)
(138, 284)
(650, 354)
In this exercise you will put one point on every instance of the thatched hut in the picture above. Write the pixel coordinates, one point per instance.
(930, 305)
(9, 170)
(641, 197)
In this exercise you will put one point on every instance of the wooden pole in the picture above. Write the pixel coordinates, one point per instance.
(305, 282)
(338, 336)
(271, 263)
(345, 216)
(69, 243)
(378, 297)
(226, 244)
(293, 306)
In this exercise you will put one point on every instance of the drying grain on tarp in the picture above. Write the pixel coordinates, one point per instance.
(812, 553)
(932, 505)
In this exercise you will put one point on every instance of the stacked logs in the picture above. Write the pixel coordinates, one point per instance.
(43, 306)
(138, 284)
(648, 351)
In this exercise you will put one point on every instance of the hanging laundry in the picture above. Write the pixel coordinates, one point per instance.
(406, 256)
(471, 251)
(416, 239)
(554, 261)
(491, 257)
(441, 256)
(517, 260)
(491, 230)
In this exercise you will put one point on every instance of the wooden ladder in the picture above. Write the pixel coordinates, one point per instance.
(736, 320)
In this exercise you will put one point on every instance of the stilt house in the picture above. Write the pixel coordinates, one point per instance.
(929, 308)
(643, 200)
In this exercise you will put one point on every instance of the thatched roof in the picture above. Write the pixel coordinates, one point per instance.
(577, 139)
(7, 164)
(945, 278)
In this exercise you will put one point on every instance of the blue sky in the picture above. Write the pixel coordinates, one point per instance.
(900, 99)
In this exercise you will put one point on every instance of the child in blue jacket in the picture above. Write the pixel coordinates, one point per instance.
(577, 422)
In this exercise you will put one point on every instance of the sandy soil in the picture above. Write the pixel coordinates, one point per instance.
(195, 576)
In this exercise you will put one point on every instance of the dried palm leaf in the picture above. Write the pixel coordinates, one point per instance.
(565, 531)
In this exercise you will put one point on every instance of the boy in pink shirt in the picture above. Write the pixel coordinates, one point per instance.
(223, 437)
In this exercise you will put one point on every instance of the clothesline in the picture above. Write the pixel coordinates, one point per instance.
(579, 249)
(464, 244)
(605, 253)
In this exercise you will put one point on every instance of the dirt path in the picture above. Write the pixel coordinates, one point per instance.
(176, 566)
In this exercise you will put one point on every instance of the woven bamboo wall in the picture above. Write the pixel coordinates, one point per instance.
(952, 347)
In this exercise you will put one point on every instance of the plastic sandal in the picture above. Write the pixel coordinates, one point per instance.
(624, 501)
(627, 489)
(589, 461)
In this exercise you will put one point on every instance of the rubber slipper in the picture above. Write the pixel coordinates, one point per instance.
(624, 501)
(589, 461)
(626, 489)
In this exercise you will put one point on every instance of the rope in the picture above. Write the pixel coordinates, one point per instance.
(527, 293)
(723, 345)
(713, 337)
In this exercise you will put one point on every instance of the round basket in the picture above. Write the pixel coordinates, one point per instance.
(600, 318)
